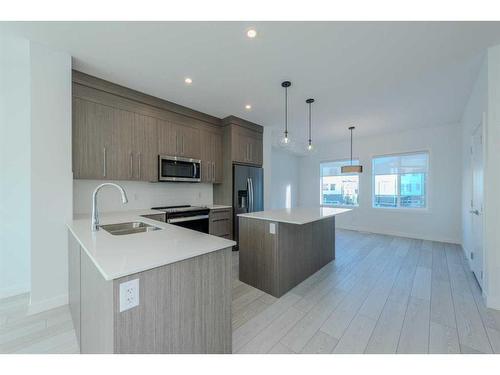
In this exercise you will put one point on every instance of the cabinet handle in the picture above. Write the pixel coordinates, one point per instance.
(131, 168)
(182, 145)
(213, 175)
(139, 165)
(251, 152)
(209, 172)
(104, 162)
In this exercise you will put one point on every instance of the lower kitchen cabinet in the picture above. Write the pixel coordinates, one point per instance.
(184, 307)
(220, 222)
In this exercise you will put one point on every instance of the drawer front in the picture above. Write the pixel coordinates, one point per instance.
(220, 214)
(220, 227)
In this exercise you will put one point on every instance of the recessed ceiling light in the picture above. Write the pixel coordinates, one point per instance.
(188, 81)
(251, 33)
(248, 107)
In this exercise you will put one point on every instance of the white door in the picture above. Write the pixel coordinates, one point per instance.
(476, 211)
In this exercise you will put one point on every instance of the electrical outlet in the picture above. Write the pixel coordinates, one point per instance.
(129, 294)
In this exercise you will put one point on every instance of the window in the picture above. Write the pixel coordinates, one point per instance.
(338, 189)
(399, 181)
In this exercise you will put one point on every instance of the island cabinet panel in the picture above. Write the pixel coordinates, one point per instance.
(185, 307)
(277, 262)
(96, 311)
(258, 258)
(303, 250)
(74, 254)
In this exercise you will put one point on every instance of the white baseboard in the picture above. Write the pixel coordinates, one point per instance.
(401, 234)
(37, 307)
(492, 303)
(14, 291)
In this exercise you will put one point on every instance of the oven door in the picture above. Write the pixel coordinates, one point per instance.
(198, 223)
(173, 168)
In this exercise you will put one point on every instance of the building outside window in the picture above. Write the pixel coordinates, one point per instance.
(399, 181)
(338, 189)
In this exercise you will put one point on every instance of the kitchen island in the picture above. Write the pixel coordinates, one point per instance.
(281, 248)
(183, 285)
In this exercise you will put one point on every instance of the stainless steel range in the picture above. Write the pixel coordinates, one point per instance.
(191, 217)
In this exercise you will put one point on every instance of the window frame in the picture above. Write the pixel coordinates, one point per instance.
(428, 176)
(346, 174)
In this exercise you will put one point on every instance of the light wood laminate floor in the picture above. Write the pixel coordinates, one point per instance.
(382, 294)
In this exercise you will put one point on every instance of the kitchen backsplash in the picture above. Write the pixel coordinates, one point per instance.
(140, 195)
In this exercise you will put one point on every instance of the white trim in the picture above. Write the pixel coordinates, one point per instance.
(35, 308)
(15, 290)
(400, 234)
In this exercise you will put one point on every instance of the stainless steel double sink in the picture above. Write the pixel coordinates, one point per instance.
(128, 228)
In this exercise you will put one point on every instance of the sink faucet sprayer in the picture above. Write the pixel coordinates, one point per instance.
(95, 214)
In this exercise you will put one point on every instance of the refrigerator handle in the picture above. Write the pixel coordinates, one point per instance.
(248, 196)
(251, 194)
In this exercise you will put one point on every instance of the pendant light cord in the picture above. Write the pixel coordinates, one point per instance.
(310, 123)
(286, 111)
(351, 144)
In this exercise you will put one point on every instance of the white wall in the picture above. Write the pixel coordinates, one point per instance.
(442, 220)
(492, 182)
(141, 195)
(15, 202)
(284, 186)
(475, 110)
(51, 176)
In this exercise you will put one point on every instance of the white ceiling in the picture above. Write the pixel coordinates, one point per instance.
(380, 76)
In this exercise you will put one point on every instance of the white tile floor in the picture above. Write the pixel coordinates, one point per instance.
(382, 294)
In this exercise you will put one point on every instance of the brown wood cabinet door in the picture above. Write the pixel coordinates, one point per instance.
(91, 139)
(121, 153)
(256, 150)
(239, 147)
(145, 148)
(167, 138)
(206, 156)
(217, 158)
(188, 142)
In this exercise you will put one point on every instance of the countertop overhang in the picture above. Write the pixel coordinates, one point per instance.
(298, 215)
(118, 256)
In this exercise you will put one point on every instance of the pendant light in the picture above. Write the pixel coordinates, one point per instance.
(309, 145)
(285, 140)
(351, 168)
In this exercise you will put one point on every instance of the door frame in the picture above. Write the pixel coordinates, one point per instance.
(481, 125)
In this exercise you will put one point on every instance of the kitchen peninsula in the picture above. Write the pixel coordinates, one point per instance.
(183, 287)
(281, 248)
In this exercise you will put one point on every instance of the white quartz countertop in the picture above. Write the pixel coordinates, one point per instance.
(298, 215)
(118, 256)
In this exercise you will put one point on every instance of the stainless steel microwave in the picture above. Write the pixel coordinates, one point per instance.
(175, 168)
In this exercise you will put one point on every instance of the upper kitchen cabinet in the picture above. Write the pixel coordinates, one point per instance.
(110, 143)
(118, 133)
(211, 156)
(145, 160)
(91, 139)
(178, 140)
(246, 141)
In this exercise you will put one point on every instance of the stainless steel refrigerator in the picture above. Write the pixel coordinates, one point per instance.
(248, 193)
